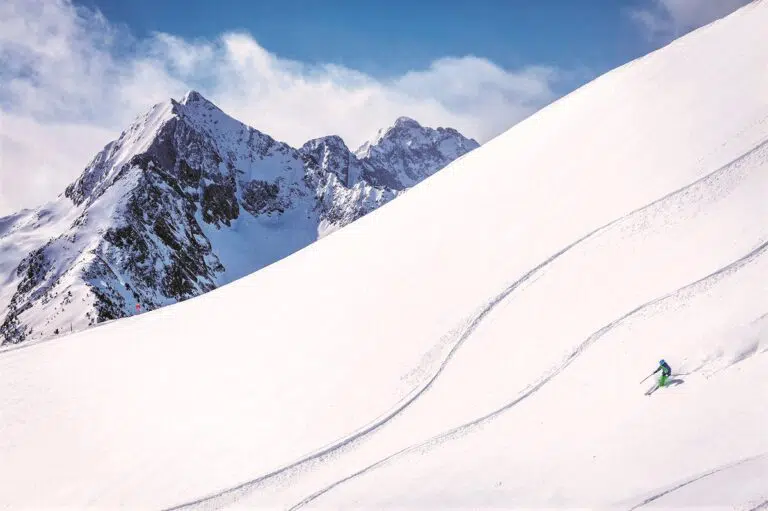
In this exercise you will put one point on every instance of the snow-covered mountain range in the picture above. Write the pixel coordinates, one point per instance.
(188, 199)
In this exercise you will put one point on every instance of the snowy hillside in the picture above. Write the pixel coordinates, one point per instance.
(477, 343)
(188, 199)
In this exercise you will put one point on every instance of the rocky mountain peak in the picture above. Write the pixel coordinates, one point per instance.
(406, 122)
(330, 141)
(193, 102)
(192, 96)
(187, 199)
(407, 152)
(331, 154)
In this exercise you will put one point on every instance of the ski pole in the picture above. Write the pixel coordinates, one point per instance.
(641, 381)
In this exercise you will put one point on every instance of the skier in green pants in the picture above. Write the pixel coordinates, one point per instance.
(666, 372)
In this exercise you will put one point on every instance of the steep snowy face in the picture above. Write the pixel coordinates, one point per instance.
(406, 153)
(186, 199)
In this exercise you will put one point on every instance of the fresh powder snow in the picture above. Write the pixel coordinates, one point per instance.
(479, 342)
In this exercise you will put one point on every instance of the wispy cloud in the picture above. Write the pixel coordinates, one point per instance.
(664, 20)
(72, 80)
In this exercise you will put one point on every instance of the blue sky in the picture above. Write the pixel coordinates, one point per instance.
(76, 73)
(393, 36)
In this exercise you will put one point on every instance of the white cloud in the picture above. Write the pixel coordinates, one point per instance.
(72, 81)
(38, 159)
(668, 19)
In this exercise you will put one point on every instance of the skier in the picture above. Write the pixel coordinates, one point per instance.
(666, 372)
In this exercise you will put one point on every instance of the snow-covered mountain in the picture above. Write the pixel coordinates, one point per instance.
(478, 343)
(406, 153)
(188, 199)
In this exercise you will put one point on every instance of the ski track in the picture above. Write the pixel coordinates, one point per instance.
(699, 478)
(232, 494)
(465, 428)
(760, 507)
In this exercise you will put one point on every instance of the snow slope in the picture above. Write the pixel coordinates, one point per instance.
(477, 343)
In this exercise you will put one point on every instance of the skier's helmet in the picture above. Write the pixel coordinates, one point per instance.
(661, 362)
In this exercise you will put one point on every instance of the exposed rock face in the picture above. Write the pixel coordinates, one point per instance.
(407, 153)
(188, 199)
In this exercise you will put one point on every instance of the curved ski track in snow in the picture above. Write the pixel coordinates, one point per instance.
(699, 478)
(764, 505)
(464, 428)
(232, 494)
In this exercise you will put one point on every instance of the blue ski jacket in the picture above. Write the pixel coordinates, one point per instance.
(665, 369)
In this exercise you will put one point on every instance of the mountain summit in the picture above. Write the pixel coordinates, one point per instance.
(406, 153)
(188, 199)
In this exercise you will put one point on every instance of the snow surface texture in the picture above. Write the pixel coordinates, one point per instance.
(478, 343)
(188, 199)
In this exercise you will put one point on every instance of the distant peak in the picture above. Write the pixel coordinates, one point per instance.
(193, 97)
(406, 122)
(195, 103)
(330, 140)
